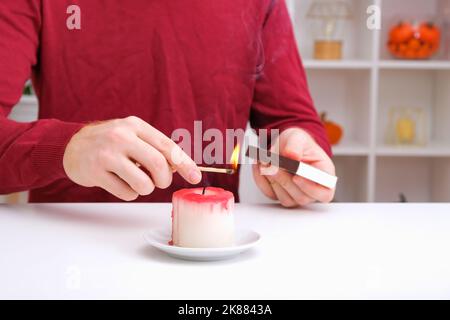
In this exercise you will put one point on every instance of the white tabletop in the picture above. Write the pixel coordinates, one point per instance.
(330, 251)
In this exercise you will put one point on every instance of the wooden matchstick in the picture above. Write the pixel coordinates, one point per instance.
(217, 170)
(207, 169)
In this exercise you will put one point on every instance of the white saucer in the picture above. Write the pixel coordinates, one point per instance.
(159, 238)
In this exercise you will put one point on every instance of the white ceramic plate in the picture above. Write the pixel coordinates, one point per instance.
(159, 238)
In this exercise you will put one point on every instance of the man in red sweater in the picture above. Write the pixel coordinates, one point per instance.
(115, 78)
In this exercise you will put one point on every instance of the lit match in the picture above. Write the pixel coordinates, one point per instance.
(234, 164)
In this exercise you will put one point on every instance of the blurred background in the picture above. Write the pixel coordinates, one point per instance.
(383, 91)
(385, 94)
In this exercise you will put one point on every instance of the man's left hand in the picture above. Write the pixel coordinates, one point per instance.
(291, 190)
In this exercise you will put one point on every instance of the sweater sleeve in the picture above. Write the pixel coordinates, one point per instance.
(30, 153)
(281, 98)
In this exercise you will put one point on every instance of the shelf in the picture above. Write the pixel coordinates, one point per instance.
(351, 149)
(393, 11)
(423, 89)
(431, 150)
(420, 179)
(338, 64)
(345, 96)
(357, 44)
(384, 64)
(414, 65)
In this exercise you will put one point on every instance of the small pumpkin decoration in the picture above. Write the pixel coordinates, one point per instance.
(414, 41)
(333, 130)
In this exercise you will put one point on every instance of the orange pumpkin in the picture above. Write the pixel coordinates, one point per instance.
(414, 44)
(430, 33)
(333, 130)
(408, 41)
(402, 32)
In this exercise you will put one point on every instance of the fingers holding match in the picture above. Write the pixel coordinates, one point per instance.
(178, 160)
(284, 180)
(153, 161)
(128, 172)
(126, 157)
(283, 196)
(263, 183)
(117, 187)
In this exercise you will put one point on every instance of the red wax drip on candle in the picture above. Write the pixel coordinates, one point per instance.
(214, 195)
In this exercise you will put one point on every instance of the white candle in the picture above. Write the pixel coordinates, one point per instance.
(203, 220)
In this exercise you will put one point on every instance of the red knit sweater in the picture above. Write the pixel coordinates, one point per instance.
(223, 62)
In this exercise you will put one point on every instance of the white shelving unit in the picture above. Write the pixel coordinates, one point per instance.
(358, 91)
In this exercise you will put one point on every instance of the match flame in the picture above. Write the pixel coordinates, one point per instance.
(235, 157)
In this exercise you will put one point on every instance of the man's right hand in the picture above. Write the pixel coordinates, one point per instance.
(110, 155)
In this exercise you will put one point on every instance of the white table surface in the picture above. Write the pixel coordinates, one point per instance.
(330, 251)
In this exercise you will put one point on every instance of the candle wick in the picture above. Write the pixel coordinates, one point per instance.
(204, 190)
